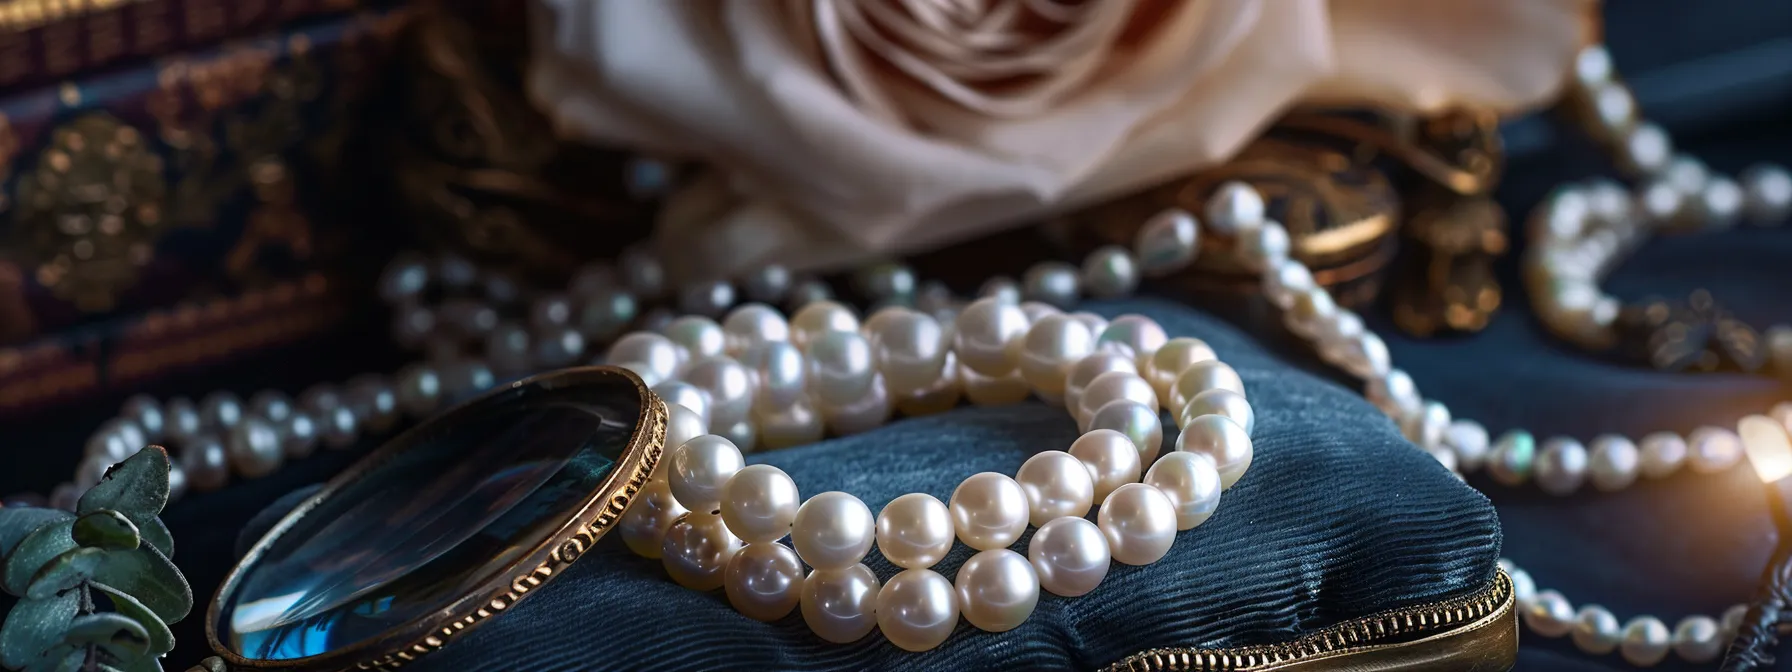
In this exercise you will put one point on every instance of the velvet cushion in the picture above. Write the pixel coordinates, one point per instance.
(1339, 517)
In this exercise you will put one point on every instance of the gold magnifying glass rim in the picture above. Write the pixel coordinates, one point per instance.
(596, 515)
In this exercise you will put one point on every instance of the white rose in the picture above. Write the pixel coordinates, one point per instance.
(839, 129)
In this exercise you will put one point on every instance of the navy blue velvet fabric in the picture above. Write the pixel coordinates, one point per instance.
(1338, 517)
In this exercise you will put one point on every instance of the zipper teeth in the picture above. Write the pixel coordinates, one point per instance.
(1368, 631)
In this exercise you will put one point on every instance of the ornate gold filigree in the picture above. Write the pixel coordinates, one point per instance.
(90, 211)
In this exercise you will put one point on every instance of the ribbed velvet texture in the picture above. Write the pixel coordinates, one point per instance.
(1339, 517)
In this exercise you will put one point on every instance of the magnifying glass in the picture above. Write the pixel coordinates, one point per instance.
(444, 527)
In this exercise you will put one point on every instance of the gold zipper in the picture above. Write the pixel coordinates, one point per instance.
(1477, 632)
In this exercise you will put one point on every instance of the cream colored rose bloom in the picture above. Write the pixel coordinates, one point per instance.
(839, 129)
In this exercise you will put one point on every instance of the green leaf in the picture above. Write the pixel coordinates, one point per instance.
(64, 572)
(161, 639)
(136, 487)
(33, 552)
(147, 575)
(34, 627)
(17, 522)
(106, 529)
(156, 534)
(117, 634)
(62, 658)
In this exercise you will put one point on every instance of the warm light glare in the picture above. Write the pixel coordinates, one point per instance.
(1769, 448)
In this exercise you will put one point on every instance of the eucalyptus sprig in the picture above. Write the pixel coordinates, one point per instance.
(112, 552)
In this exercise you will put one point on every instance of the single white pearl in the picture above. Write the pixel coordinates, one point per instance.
(1167, 242)
(699, 468)
(1090, 367)
(744, 435)
(939, 396)
(1191, 482)
(1285, 280)
(1549, 614)
(1176, 355)
(1070, 556)
(1426, 426)
(730, 388)
(1470, 441)
(911, 348)
(1095, 323)
(833, 530)
(1139, 523)
(1524, 588)
(1561, 466)
(1135, 336)
(697, 550)
(1220, 401)
(840, 605)
(1111, 458)
(1265, 246)
(794, 426)
(1596, 630)
(1615, 463)
(1713, 450)
(650, 376)
(764, 581)
(657, 352)
(1662, 454)
(700, 337)
(988, 335)
(1220, 438)
(1201, 377)
(1394, 393)
(820, 317)
(997, 391)
(1646, 641)
(1697, 639)
(1234, 207)
(841, 366)
(645, 522)
(1136, 421)
(989, 510)
(997, 590)
(1052, 346)
(859, 415)
(1057, 484)
(754, 324)
(1312, 313)
(1112, 386)
(759, 503)
(917, 610)
(693, 398)
(1110, 272)
(915, 531)
(780, 374)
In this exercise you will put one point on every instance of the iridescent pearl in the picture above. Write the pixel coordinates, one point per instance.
(375, 402)
(917, 610)
(1087, 369)
(1615, 464)
(146, 413)
(219, 410)
(1110, 272)
(1595, 630)
(206, 463)
(1175, 356)
(1513, 457)
(1054, 283)
(886, 280)
(1052, 346)
(841, 366)
(1662, 454)
(1767, 189)
(759, 503)
(1549, 614)
(693, 398)
(767, 284)
(859, 415)
(1722, 202)
(254, 448)
(1285, 280)
(1310, 313)
(1137, 421)
(754, 324)
(910, 347)
(1139, 523)
(645, 522)
(1191, 482)
(553, 310)
(1265, 246)
(833, 530)
(1646, 641)
(1234, 207)
(1222, 439)
(1201, 377)
(1394, 393)
(1113, 386)
(1561, 466)
(1713, 450)
(942, 395)
(603, 314)
(794, 426)
(993, 391)
(1001, 288)
(780, 374)
(997, 590)
(1057, 484)
(682, 425)
(1111, 458)
(419, 390)
(300, 435)
(654, 350)
(840, 605)
(1135, 336)
(730, 388)
(1167, 242)
(1469, 440)
(1698, 640)
(116, 440)
(698, 468)
(1069, 555)
(915, 531)
(764, 581)
(744, 435)
(700, 337)
(1095, 323)
(806, 292)
(820, 317)
(989, 336)
(989, 510)
(1365, 356)
(708, 298)
(1219, 401)
(181, 420)
(697, 550)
